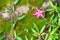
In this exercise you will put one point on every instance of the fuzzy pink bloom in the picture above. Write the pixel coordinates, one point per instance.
(39, 13)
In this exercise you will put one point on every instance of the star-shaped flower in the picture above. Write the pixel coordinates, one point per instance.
(39, 13)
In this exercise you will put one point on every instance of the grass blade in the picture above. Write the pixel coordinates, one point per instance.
(42, 29)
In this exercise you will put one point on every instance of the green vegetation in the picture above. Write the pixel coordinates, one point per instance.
(28, 27)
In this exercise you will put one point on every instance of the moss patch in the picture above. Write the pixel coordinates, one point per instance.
(4, 24)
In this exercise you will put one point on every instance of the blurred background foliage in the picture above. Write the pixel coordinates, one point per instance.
(3, 3)
(26, 23)
(27, 26)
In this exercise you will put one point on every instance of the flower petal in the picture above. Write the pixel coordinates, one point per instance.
(37, 9)
(42, 15)
(39, 13)
(38, 16)
(35, 14)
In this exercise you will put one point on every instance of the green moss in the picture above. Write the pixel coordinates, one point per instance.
(3, 4)
(22, 2)
(3, 24)
(36, 2)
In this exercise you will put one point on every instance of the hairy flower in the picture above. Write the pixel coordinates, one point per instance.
(39, 13)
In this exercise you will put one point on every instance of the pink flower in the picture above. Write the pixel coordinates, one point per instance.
(39, 13)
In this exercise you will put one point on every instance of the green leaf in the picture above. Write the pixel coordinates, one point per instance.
(50, 9)
(21, 17)
(46, 36)
(12, 25)
(16, 1)
(34, 31)
(43, 33)
(52, 17)
(36, 27)
(34, 35)
(54, 30)
(51, 12)
(19, 38)
(58, 9)
(16, 37)
(1, 38)
(8, 9)
(42, 29)
(51, 4)
(15, 34)
(50, 38)
(49, 29)
(31, 38)
(26, 30)
(26, 38)
(55, 20)
(59, 21)
(55, 36)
